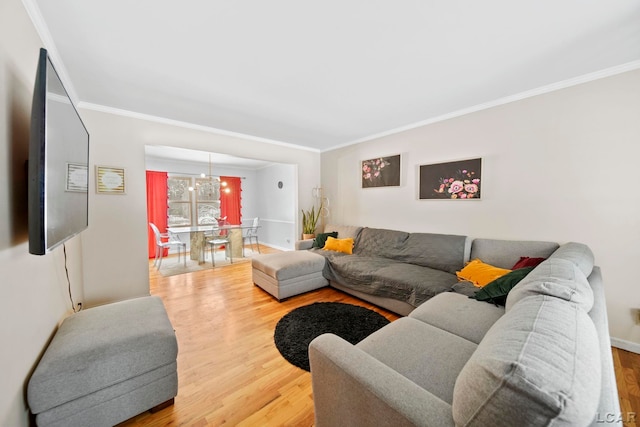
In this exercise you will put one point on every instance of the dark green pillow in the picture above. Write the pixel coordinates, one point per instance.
(496, 292)
(321, 239)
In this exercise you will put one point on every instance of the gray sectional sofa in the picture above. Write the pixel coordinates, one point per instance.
(399, 271)
(543, 359)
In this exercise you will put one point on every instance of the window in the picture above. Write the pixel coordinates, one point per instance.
(207, 200)
(179, 199)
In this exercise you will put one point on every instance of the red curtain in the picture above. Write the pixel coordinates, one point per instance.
(156, 206)
(231, 199)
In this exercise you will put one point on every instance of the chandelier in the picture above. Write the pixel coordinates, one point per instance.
(208, 189)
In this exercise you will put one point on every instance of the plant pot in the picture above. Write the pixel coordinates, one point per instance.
(308, 236)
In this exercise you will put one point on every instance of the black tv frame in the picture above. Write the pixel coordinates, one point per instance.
(55, 214)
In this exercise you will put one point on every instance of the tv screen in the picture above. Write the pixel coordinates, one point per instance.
(58, 163)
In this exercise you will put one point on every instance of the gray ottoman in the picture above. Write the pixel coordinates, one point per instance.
(285, 274)
(105, 365)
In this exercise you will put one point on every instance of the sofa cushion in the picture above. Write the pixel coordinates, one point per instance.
(577, 253)
(496, 292)
(505, 253)
(555, 277)
(385, 277)
(459, 315)
(428, 356)
(376, 242)
(412, 283)
(516, 377)
(440, 251)
(352, 269)
(344, 231)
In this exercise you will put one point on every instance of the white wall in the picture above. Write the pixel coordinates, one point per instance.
(115, 245)
(278, 206)
(561, 166)
(34, 295)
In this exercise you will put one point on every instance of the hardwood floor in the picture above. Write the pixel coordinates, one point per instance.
(627, 366)
(230, 372)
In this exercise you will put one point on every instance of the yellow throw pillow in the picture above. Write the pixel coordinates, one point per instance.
(339, 245)
(480, 274)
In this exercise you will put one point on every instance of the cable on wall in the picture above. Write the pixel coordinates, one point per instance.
(66, 269)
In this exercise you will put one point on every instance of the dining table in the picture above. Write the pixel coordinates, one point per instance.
(197, 239)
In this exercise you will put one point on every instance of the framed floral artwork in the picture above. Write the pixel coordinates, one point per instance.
(381, 172)
(459, 180)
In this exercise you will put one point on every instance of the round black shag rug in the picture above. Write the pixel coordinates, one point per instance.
(299, 327)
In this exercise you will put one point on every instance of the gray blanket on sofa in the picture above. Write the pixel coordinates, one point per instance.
(410, 267)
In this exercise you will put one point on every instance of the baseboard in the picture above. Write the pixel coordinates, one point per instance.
(280, 248)
(633, 347)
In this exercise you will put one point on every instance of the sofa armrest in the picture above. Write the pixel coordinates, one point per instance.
(352, 388)
(304, 244)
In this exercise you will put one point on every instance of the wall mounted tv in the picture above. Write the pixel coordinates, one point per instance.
(58, 164)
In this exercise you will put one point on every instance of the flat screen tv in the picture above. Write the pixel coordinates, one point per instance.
(58, 164)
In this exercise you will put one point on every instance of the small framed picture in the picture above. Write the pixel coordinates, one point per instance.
(459, 180)
(110, 180)
(381, 172)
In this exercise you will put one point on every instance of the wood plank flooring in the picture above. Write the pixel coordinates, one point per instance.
(230, 372)
(627, 366)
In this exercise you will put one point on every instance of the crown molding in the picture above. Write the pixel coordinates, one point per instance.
(608, 72)
(187, 125)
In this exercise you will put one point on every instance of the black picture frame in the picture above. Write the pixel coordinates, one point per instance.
(381, 172)
(457, 180)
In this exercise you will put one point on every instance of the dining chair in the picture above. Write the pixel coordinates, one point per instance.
(221, 222)
(161, 245)
(251, 234)
(219, 240)
(214, 233)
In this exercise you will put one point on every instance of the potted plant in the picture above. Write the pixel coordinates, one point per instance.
(309, 222)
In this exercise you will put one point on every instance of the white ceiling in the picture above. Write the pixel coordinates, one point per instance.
(328, 73)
